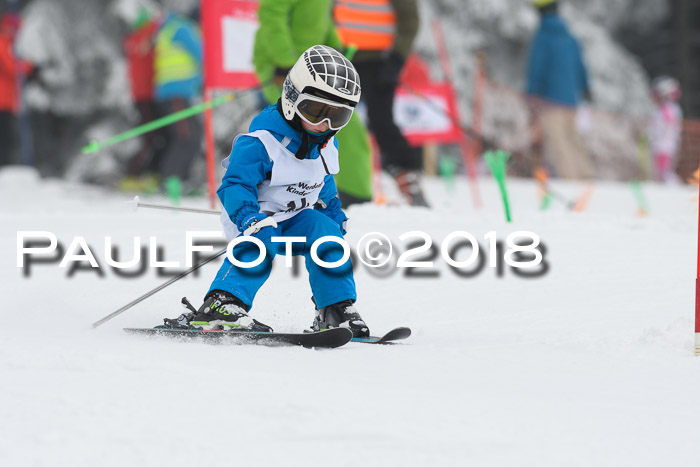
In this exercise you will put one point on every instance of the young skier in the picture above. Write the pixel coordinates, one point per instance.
(279, 183)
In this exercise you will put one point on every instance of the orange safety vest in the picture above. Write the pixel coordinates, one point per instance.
(365, 24)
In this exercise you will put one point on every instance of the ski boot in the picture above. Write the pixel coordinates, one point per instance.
(409, 186)
(342, 314)
(220, 310)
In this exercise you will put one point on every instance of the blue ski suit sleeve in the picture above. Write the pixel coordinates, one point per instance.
(329, 190)
(333, 211)
(249, 165)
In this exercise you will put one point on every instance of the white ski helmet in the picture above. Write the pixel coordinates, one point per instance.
(666, 87)
(322, 85)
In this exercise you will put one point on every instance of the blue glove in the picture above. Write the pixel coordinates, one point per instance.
(333, 211)
(249, 220)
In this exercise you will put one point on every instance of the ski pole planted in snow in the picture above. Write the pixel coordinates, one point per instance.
(497, 163)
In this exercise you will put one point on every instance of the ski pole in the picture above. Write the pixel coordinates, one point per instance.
(95, 146)
(156, 290)
(136, 203)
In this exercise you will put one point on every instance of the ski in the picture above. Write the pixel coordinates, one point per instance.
(328, 339)
(396, 334)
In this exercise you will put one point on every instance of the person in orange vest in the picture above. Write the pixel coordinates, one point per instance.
(383, 32)
(10, 67)
(288, 27)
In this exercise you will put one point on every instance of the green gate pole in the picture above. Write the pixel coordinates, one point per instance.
(642, 202)
(497, 163)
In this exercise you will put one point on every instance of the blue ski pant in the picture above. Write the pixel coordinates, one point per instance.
(328, 285)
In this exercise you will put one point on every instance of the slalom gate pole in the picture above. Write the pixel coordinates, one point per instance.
(642, 202)
(136, 203)
(156, 290)
(447, 168)
(697, 293)
(542, 176)
(465, 144)
(497, 161)
(95, 146)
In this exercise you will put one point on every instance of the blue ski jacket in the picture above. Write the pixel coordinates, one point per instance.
(556, 70)
(249, 165)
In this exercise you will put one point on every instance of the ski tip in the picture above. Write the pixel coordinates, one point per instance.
(395, 334)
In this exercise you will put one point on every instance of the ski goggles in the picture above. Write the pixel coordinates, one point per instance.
(315, 110)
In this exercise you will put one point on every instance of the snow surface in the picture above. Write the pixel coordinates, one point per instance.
(590, 365)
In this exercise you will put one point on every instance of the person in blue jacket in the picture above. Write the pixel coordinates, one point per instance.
(279, 183)
(557, 82)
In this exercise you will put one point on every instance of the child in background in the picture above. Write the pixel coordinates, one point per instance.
(666, 125)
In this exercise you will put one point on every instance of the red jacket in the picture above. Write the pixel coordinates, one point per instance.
(139, 49)
(9, 67)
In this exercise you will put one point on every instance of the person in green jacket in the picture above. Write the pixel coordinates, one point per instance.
(287, 28)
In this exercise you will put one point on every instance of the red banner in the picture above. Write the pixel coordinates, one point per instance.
(229, 28)
(427, 113)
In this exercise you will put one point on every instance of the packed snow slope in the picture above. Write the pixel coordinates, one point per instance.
(590, 364)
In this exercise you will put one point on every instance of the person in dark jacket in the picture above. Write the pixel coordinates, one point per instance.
(557, 81)
(383, 32)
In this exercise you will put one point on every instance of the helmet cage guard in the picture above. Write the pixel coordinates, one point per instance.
(321, 74)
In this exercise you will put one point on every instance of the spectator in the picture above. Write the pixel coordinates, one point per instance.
(558, 80)
(10, 69)
(139, 48)
(287, 28)
(383, 32)
(178, 83)
(666, 126)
